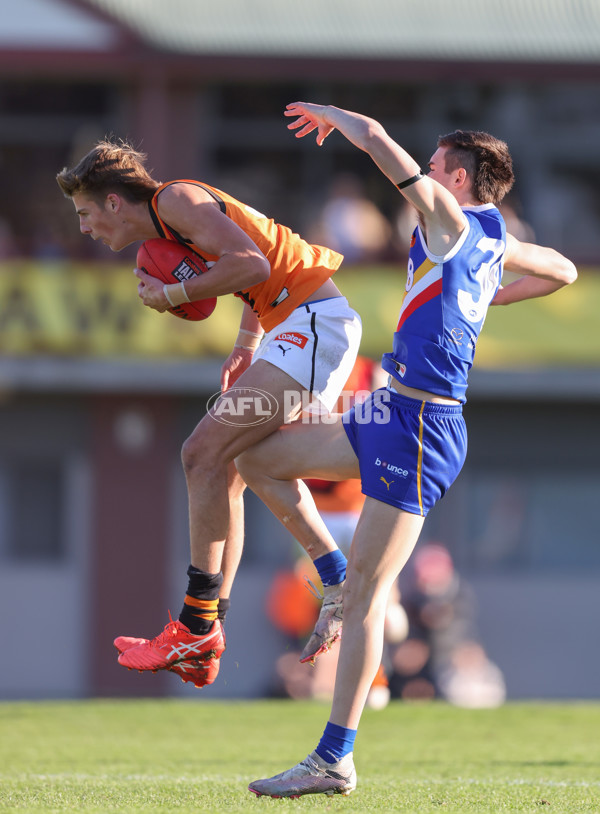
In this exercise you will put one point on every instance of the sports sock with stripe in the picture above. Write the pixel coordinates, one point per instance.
(200, 604)
(331, 567)
(336, 742)
(222, 608)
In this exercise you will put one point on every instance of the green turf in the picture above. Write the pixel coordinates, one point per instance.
(198, 756)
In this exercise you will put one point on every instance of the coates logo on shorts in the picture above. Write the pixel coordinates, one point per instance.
(293, 338)
(242, 406)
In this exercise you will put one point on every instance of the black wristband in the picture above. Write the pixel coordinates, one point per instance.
(409, 181)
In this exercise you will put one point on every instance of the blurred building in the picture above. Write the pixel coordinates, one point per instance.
(202, 86)
(93, 514)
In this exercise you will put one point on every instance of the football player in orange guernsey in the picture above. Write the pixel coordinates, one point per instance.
(297, 343)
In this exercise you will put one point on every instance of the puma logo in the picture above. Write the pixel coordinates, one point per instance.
(387, 483)
(283, 350)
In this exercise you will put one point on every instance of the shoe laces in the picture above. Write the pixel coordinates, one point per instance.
(313, 767)
(327, 599)
(170, 630)
(310, 585)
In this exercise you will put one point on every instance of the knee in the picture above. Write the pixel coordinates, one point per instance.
(235, 484)
(261, 464)
(356, 588)
(189, 454)
(361, 590)
(200, 453)
(247, 464)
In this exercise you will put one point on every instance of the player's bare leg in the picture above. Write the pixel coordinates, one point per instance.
(297, 450)
(384, 539)
(206, 456)
(323, 452)
(202, 672)
(234, 542)
(214, 444)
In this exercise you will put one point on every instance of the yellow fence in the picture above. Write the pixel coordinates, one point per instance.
(94, 310)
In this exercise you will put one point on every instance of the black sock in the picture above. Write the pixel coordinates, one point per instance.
(200, 605)
(222, 609)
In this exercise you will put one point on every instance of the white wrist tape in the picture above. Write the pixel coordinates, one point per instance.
(167, 295)
(251, 344)
(175, 294)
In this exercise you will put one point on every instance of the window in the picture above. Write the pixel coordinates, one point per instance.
(33, 511)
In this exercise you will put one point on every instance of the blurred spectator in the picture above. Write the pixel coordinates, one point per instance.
(442, 657)
(290, 607)
(8, 244)
(515, 223)
(293, 610)
(351, 224)
(471, 679)
(405, 222)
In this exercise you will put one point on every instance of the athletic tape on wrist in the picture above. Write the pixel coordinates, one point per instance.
(167, 296)
(184, 292)
(175, 294)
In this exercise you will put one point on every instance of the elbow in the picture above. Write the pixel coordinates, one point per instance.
(569, 273)
(372, 137)
(263, 270)
(257, 270)
(564, 272)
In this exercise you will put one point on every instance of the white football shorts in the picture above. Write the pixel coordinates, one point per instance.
(317, 346)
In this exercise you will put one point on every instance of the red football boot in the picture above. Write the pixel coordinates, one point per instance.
(200, 673)
(173, 645)
(123, 643)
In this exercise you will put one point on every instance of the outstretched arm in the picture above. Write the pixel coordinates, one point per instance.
(438, 206)
(544, 271)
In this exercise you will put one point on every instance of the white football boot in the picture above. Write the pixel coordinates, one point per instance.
(329, 624)
(312, 776)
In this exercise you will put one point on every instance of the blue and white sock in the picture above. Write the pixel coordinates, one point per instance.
(336, 742)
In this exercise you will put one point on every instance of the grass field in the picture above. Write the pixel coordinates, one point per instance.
(198, 756)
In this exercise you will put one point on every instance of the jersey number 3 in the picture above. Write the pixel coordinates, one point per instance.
(487, 277)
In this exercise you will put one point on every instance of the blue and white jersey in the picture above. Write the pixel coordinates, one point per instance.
(445, 304)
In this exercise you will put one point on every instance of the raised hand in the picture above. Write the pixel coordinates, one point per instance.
(309, 117)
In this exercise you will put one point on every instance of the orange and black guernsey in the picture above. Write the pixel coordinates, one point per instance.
(298, 268)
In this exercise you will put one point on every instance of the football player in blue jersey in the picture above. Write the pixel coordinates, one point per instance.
(408, 442)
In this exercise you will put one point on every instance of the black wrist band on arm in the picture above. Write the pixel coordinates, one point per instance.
(409, 181)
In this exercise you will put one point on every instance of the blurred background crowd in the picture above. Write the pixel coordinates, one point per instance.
(96, 396)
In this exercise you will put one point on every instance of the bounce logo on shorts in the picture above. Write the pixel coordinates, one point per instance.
(242, 406)
(396, 470)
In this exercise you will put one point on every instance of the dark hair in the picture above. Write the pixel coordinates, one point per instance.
(111, 166)
(486, 160)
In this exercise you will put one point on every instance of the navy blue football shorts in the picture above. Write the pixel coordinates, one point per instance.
(409, 451)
